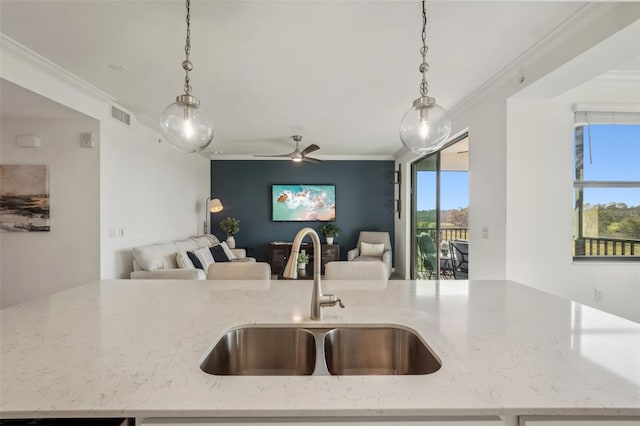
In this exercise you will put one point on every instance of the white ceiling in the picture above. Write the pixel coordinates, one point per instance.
(341, 73)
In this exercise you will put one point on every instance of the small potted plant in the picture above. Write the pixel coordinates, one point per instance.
(303, 259)
(330, 231)
(230, 226)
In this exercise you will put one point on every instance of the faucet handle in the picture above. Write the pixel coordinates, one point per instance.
(331, 300)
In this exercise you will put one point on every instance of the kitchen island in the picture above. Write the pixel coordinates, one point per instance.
(132, 348)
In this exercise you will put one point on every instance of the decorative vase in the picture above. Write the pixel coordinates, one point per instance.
(231, 242)
(302, 266)
(330, 241)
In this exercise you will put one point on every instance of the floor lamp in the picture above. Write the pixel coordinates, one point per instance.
(211, 206)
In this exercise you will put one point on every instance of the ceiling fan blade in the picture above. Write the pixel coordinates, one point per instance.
(310, 149)
(275, 155)
(312, 160)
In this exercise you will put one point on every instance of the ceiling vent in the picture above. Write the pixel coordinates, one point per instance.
(120, 115)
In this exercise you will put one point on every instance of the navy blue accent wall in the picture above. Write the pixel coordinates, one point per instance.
(364, 199)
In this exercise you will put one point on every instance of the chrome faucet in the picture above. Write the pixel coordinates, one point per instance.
(318, 300)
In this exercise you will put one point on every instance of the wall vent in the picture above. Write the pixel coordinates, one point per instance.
(120, 115)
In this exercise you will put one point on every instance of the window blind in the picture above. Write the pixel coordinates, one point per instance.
(584, 118)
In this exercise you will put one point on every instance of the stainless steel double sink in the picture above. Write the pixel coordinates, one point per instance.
(304, 351)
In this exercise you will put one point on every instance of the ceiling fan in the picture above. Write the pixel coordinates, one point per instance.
(298, 155)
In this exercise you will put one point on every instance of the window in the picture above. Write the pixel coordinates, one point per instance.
(607, 185)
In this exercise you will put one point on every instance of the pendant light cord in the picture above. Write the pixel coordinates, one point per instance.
(424, 66)
(589, 135)
(187, 65)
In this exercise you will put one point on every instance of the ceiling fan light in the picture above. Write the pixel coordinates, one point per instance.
(297, 160)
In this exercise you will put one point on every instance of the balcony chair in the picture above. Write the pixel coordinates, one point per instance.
(355, 271)
(373, 247)
(428, 254)
(239, 271)
(460, 259)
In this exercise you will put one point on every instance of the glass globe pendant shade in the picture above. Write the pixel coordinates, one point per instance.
(186, 125)
(426, 127)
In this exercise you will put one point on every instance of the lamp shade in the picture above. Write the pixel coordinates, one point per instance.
(215, 206)
(425, 128)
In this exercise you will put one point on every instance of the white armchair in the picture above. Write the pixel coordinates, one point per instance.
(373, 247)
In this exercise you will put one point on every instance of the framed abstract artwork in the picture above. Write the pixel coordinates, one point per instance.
(24, 197)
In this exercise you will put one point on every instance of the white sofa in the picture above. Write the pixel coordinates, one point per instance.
(159, 261)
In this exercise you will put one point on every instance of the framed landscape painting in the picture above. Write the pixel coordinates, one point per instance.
(303, 203)
(24, 198)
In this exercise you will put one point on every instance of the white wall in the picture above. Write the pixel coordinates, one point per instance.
(35, 264)
(540, 209)
(147, 189)
(540, 202)
(150, 191)
(484, 115)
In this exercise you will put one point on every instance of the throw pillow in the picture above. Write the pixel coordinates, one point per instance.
(218, 253)
(367, 249)
(227, 250)
(213, 240)
(183, 261)
(201, 258)
(194, 259)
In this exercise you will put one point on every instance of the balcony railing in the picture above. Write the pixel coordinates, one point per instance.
(446, 234)
(603, 246)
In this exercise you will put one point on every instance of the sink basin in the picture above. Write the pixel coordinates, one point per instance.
(258, 351)
(303, 351)
(377, 351)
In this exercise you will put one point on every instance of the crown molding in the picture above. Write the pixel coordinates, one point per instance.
(23, 53)
(13, 48)
(149, 122)
(585, 16)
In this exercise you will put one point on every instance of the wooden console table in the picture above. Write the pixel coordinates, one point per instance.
(278, 254)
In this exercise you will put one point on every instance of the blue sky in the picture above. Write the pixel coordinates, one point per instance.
(615, 155)
(454, 192)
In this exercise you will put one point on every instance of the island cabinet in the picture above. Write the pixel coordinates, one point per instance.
(578, 421)
(278, 255)
(319, 421)
(402, 421)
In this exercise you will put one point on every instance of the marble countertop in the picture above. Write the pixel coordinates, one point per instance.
(133, 348)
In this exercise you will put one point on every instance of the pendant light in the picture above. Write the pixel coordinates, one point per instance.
(185, 123)
(425, 128)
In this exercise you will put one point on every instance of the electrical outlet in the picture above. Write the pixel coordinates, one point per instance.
(597, 295)
(485, 232)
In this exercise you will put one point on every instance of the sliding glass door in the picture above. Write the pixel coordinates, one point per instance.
(440, 208)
